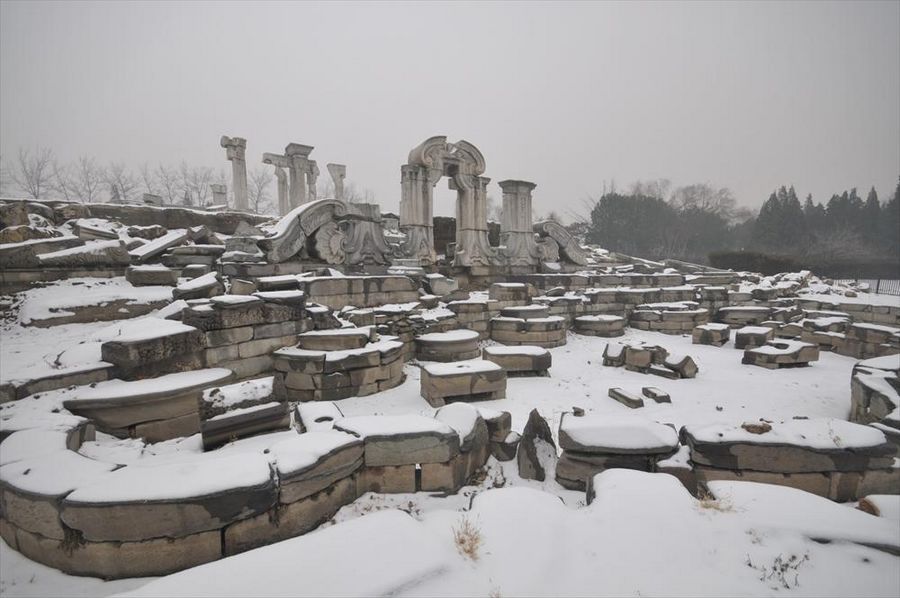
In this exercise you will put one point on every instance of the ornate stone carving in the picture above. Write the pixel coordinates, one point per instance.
(235, 148)
(329, 242)
(288, 236)
(568, 246)
(338, 173)
(364, 242)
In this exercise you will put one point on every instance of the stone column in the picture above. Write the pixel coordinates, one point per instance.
(472, 245)
(299, 157)
(235, 147)
(312, 175)
(280, 163)
(516, 233)
(416, 220)
(219, 194)
(338, 173)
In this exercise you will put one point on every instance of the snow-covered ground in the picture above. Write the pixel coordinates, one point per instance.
(643, 535)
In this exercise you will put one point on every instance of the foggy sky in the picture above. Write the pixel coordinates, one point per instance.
(748, 96)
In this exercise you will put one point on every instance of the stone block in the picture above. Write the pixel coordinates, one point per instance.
(289, 520)
(386, 480)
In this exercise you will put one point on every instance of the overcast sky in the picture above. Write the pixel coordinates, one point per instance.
(745, 95)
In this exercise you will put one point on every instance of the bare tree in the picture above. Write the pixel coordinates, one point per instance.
(169, 182)
(119, 177)
(705, 198)
(148, 178)
(63, 182)
(32, 174)
(89, 176)
(4, 179)
(258, 191)
(658, 188)
(195, 181)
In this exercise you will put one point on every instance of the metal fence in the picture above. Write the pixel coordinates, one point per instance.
(882, 286)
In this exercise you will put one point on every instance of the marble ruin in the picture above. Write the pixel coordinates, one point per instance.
(256, 336)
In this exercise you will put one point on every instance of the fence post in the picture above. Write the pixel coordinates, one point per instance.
(878, 286)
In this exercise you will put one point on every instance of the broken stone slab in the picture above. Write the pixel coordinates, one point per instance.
(521, 359)
(313, 461)
(573, 470)
(506, 449)
(226, 311)
(392, 440)
(683, 364)
(317, 417)
(655, 394)
(782, 353)
(336, 339)
(93, 253)
(440, 285)
(208, 285)
(468, 423)
(738, 316)
(628, 399)
(244, 422)
(157, 246)
(752, 336)
(18, 234)
(139, 347)
(536, 451)
(714, 334)
(171, 500)
(25, 254)
(791, 446)
(141, 276)
(619, 435)
(469, 380)
(125, 404)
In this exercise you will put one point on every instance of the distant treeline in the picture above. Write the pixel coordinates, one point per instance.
(845, 237)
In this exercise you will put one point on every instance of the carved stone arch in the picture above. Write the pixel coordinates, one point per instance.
(464, 163)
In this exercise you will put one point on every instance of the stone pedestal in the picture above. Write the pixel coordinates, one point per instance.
(516, 233)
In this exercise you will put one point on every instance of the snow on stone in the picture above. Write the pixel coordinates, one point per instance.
(515, 350)
(89, 248)
(816, 433)
(781, 347)
(888, 505)
(240, 392)
(459, 416)
(390, 553)
(305, 450)
(612, 433)
(52, 301)
(54, 473)
(169, 383)
(461, 367)
(244, 410)
(229, 300)
(27, 444)
(139, 329)
(317, 415)
(191, 477)
(386, 425)
(460, 334)
(199, 282)
(158, 244)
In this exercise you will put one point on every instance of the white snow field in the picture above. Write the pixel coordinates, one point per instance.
(643, 534)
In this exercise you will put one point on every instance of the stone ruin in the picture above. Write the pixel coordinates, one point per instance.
(263, 325)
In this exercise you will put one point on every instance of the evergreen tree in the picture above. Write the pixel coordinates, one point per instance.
(871, 217)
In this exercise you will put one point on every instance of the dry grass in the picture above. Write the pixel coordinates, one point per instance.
(467, 537)
(705, 500)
